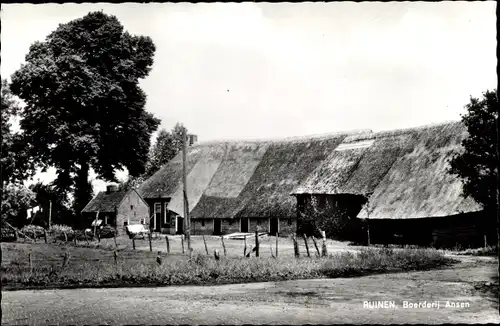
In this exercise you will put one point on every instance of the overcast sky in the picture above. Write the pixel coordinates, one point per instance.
(272, 70)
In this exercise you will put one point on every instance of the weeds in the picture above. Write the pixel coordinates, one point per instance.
(203, 269)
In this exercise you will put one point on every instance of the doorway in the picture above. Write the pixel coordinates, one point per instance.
(217, 227)
(273, 226)
(244, 225)
(180, 225)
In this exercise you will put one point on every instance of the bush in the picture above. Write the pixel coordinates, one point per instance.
(107, 232)
(33, 231)
(8, 234)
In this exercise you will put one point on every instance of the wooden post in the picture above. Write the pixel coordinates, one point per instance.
(485, 241)
(65, 236)
(271, 248)
(245, 249)
(205, 242)
(295, 246)
(133, 243)
(223, 245)
(182, 243)
(30, 262)
(324, 249)
(74, 237)
(86, 238)
(277, 237)
(316, 246)
(34, 236)
(115, 256)
(168, 244)
(256, 243)
(114, 236)
(45, 235)
(50, 214)
(65, 259)
(187, 221)
(307, 245)
(150, 244)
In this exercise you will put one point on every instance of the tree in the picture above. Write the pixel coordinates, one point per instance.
(166, 147)
(84, 107)
(15, 164)
(476, 165)
(53, 202)
(16, 199)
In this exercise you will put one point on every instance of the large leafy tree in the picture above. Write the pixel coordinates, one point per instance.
(16, 199)
(15, 164)
(84, 107)
(166, 147)
(476, 165)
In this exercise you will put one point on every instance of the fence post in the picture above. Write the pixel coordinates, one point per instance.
(223, 245)
(168, 244)
(245, 249)
(74, 237)
(182, 243)
(277, 237)
(150, 244)
(307, 245)
(115, 256)
(34, 236)
(324, 249)
(114, 236)
(205, 242)
(45, 235)
(295, 246)
(271, 248)
(30, 262)
(65, 236)
(316, 246)
(256, 243)
(133, 243)
(65, 259)
(86, 238)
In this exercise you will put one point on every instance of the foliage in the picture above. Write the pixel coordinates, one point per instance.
(107, 232)
(318, 214)
(33, 231)
(486, 251)
(166, 147)
(84, 107)
(46, 194)
(477, 163)
(14, 161)
(16, 199)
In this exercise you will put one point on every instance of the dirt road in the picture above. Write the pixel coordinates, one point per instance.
(323, 301)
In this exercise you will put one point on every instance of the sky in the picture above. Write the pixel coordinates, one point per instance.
(264, 70)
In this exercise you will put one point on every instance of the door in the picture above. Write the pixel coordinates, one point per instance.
(273, 226)
(180, 225)
(157, 218)
(217, 227)
(244, 225)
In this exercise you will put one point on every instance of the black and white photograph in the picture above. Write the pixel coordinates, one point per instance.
(249, 163)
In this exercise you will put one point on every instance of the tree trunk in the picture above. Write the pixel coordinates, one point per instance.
(83, 192)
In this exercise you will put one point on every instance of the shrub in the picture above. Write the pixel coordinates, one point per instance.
(8, 234)
(107, 232)
(33, 231)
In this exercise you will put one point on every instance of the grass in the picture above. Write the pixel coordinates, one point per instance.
(96, 267)
(485, 251)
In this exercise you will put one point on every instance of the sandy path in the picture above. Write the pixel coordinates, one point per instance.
(323, 301)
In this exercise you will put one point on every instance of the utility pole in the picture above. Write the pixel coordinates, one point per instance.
(187, 221)
(50, 213)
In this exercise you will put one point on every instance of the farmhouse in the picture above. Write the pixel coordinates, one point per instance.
(117, 208)
(394, 183)
(237, 186)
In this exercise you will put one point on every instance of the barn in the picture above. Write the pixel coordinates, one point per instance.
(397, 183)
(117, 208)
(393, 183)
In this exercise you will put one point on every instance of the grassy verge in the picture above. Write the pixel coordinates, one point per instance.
(487, 251)
(97, 268)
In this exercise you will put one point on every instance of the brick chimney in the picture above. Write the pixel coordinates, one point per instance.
(192, 139)
(111, 188)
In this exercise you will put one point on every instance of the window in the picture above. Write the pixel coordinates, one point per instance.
(131, 207)
(125, 223)
(142, 221)
(289, 221)
(203, 222)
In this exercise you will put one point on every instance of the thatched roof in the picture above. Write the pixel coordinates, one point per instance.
(229, 179)
(105, 202)
(417, 185)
